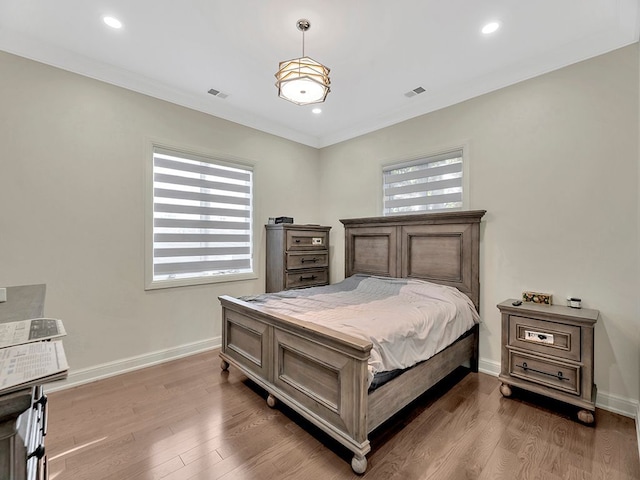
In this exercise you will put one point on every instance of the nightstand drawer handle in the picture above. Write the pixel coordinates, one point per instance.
(313, 260)
(310, 277)
(558, 375)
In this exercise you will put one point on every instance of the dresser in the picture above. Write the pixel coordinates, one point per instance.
(23, 422)
(297, 256)
(548, 349)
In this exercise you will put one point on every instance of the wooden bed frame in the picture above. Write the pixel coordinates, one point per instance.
(322, 373)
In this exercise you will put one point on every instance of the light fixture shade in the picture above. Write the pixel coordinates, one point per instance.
(303, 81)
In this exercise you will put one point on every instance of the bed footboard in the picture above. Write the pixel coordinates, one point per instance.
(319, 373)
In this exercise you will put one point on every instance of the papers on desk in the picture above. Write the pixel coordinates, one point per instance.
(33, 330)
(31, 364)
(25, 359)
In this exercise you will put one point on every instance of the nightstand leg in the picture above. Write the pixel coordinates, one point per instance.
(505, 390)
(586, 416)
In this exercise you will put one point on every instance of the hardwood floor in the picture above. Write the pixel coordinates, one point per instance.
(188, 419)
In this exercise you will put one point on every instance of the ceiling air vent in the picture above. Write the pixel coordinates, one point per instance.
(414, 92)
(217, 93)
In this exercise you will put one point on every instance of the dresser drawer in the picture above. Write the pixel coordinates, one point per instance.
(307, 278)
(307, 240)
(307, 260)
(558, 375)
(549, 338)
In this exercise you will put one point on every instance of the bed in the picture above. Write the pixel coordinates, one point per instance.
(323, 373)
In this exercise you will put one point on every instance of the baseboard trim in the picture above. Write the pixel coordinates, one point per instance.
(624, 406)
(489, 367)
(638, 427)
(612, 403)
(110, 369)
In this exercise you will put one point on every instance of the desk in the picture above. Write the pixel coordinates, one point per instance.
(22, 413)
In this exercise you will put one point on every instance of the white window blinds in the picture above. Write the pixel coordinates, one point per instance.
(202, 217)
(430, 183)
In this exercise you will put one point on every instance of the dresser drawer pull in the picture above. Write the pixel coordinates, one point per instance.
(312, 260)
(310, 277)
(558, 375)
(38, 452)
(44, 405)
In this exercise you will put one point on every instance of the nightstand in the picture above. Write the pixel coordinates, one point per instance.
(297, 256)
(548, 349)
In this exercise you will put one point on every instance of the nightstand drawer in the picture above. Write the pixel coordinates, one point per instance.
(549, 338)
(307, 278)
(307, 260)
(546, 372)
(307, 240)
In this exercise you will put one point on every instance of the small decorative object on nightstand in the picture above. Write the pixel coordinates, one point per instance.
(548, 349)
(297, 256)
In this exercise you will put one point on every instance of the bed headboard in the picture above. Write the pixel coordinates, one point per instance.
(442, 248)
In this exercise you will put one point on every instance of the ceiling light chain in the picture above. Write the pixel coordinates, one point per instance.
(303, 80)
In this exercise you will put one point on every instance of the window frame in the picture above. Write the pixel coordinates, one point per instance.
(214, 159)
(416, 159)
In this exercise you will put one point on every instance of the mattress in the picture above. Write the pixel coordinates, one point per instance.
(406, 320)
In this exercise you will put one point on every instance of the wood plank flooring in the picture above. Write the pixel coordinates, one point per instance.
(187, 419)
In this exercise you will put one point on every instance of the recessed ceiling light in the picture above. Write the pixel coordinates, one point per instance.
(112, 22)
(490, 28)
(317, 110)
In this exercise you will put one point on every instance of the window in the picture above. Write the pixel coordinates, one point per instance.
(201, 222)
(423, 185)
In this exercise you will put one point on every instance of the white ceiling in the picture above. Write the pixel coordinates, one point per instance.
(377, 51)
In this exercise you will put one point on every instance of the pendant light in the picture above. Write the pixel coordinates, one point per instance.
(303, 80)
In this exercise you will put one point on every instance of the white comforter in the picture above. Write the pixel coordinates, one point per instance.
(406, 320)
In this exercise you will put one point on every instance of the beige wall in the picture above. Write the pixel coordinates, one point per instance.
(638, 314)
(72, 178)
(554, 161)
